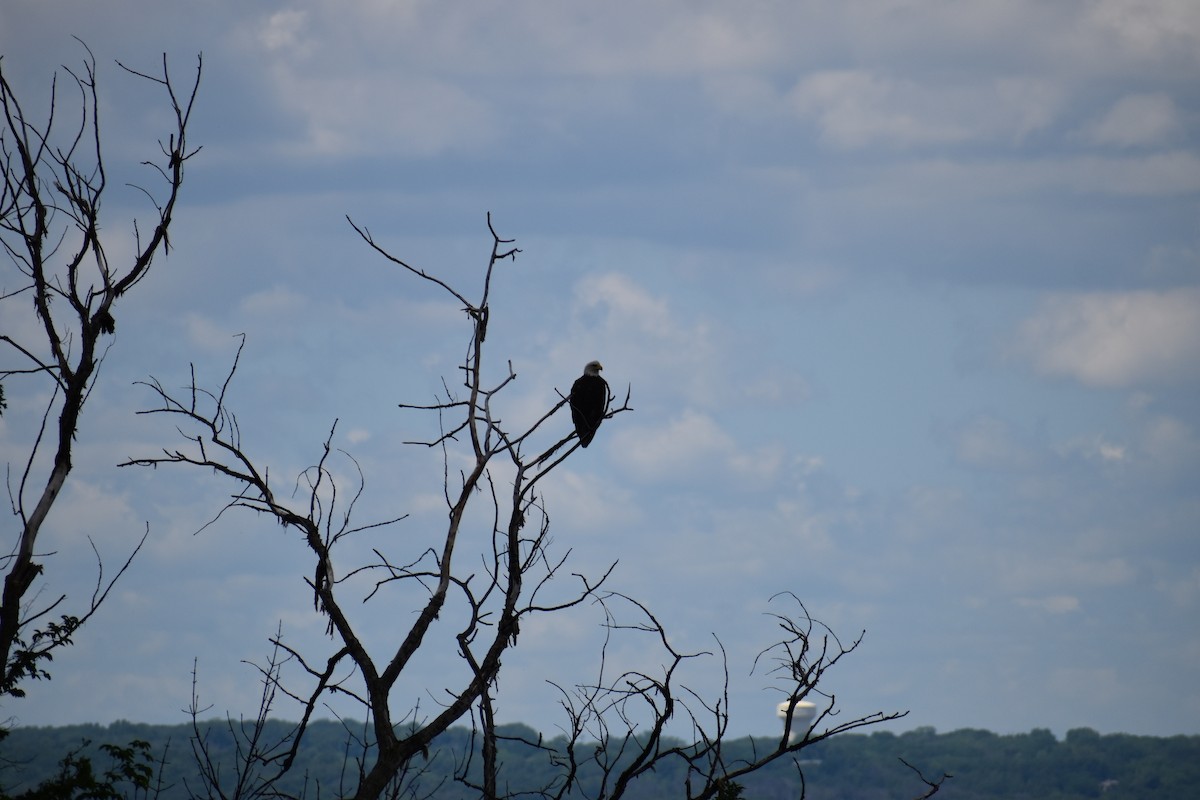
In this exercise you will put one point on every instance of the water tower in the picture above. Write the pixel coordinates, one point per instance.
(802, 717)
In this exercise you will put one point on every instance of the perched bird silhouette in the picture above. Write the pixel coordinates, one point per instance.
(589, 402)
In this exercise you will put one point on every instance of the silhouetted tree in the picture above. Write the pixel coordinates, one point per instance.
(488, 570)
(52, 184)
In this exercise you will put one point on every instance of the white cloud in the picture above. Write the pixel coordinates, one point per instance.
(856, 108)
(422, 79)
(91, 509)
(1173, 260)
(1034, 572)
(681, 447)
(656, 39)
(760, 464)
(274, 302)
(1137, 119)
(1184, 590)
(347, 110)
(942, 182)
(1052, 604)
(742, 94)
(588, 503)
(1115, 339)
(284, 30)
(694, 444)
(1169, 442)
(989, 442)
(1096, 448)
(1169, 173)
(1144, 29)
(629, 306)
(207, 334)
(930, 512)
(617, 40)
(780, 387)
(405, 113)
(642, 339)
(807, 528)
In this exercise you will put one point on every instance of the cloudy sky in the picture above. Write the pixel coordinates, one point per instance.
(907, 296)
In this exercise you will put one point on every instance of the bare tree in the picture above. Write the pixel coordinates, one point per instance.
(53, 184)
(624, 725)
(481, 576)
(491, 596)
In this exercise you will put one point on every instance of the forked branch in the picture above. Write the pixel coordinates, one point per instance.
(517, 579)
(52, 184)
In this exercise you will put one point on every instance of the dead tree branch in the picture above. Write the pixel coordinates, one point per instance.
(489, 604)
(469, 586)
(52, 184)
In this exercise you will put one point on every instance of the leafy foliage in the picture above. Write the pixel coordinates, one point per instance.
(26, 659)
(129, 774)
(729, 790)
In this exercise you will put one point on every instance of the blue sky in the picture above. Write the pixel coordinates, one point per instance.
(907, 295)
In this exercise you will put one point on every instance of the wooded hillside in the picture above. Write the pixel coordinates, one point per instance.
(1084, 764)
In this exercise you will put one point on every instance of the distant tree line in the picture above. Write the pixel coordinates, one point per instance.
(1084, 764)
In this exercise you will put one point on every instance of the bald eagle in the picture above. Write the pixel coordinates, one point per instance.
(589, 402)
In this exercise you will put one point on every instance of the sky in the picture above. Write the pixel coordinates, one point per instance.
(906, 296)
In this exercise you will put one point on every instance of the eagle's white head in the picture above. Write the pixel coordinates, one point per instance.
(593, 368)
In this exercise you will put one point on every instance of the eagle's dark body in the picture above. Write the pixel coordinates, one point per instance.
(589, 402)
